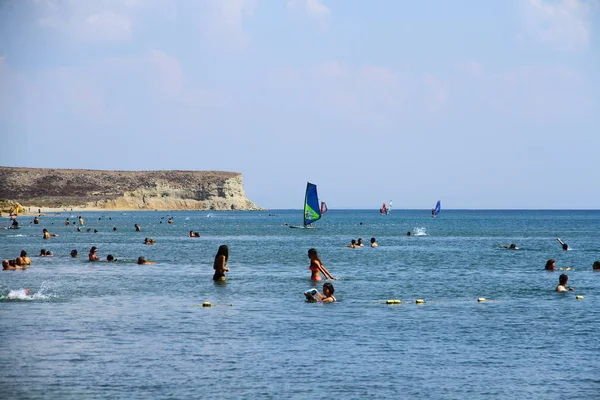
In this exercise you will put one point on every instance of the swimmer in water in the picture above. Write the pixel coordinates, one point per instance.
(143, 261)
(110, 258)
(511, 247)
(6, 265)
(550, 265)
(563, 244)
(23, 259)
(352, 244)
(562, 283)
(137, 228)
(220, 263)
(374, 242)
(74, 253)
(359, 242)
(93, 256)
(46, 233)
(327, 296)
(596, 266)
(316, 267)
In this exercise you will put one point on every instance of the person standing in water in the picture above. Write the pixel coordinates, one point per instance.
(316, 267)
(220, 263)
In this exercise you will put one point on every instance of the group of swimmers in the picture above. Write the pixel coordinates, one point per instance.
(359, 243)
(21, 262)
(220, 262)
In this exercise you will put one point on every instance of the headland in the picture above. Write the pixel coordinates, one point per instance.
(82, 189)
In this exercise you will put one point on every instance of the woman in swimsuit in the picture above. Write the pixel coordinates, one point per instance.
(316, 267)
(220, 264)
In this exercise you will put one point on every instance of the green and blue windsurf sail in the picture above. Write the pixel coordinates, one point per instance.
(312, 211)
(437, 208)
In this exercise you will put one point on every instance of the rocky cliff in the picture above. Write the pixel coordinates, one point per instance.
(124, 190)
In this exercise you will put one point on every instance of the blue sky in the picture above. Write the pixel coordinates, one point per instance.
(481, 104)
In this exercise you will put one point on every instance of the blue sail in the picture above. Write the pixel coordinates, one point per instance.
(438, 207)
(312, 211)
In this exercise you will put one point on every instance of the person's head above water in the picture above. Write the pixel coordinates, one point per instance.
(565, 246)
(328, 289)
(512, 246)
(549, 265)
(23, 253)
(73, 253)
(563, 279)
(110, 258)
(596, 265)
(312, 254)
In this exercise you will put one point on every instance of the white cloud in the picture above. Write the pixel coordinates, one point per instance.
(565, 25)
(108, 25)
(331, 69)
(472, 67)
(220, 22)
(313, 8)
(172, 81)
(83, 20)
(223, 21)
(380, 74)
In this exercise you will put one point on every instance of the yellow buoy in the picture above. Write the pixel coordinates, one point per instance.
(481, 299)
(568, 269)
(206, 304)
(394, 301)
(419, 301)
(579, 297)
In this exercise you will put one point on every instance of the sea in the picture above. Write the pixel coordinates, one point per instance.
(99, 330)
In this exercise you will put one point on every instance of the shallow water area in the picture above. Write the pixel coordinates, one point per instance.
(122, 330)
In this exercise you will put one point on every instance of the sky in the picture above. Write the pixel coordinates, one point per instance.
(480, 104)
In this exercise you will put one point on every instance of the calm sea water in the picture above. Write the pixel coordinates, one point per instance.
(124, 331)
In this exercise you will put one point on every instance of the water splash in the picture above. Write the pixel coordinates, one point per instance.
(420, 231)
(28, 294)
